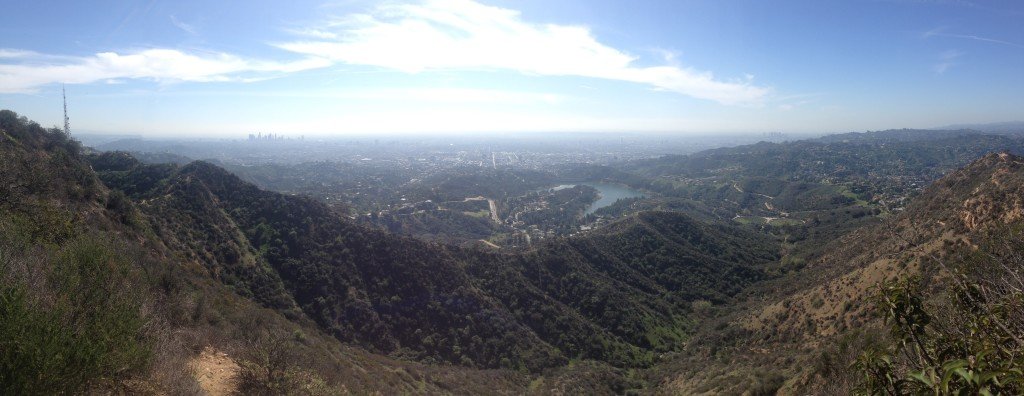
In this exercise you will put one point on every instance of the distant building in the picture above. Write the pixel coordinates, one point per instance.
(259, 136)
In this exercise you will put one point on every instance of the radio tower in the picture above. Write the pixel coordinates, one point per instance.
(67, 121)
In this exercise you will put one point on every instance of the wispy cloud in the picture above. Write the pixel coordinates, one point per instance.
(463, 34)
(190, 29)
(31, 70)
(457, 95)
(313, 33)
(8, 53)
(947, 59)
(417, 96)
(794, 101)
(940, 32)
(12, 54)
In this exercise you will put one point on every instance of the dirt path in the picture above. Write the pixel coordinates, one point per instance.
(215, 372)
(494, 211)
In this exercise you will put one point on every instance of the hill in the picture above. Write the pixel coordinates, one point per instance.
(93, 301)
(441, 304)
(803, 332)
(153, 266)
(1014, 127)
(218, 262)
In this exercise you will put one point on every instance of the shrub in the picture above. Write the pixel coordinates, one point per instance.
(970, 343)
(84, 330)
(270, 367)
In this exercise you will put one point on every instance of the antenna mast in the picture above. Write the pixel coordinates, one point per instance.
(67, 121)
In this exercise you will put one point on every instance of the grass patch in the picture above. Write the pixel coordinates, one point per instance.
(749, 220)
(782, 221)
(845, 191)
(479, 213)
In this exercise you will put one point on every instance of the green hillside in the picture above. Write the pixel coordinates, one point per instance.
(225, 260)
(414, 299)
(117, 275)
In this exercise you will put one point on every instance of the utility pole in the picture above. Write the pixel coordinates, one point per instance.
(67, 121)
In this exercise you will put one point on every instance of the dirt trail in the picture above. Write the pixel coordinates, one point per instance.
(494, 211)
(215, 372)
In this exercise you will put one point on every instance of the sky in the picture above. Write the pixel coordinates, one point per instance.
(229, 68)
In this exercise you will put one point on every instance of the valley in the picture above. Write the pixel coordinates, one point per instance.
(486, 197)
(713, 272)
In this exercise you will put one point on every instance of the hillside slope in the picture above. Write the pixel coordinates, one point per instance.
(433, 303)
(93, 301)
(802, 332)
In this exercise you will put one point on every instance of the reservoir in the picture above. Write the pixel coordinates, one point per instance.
(609, 193)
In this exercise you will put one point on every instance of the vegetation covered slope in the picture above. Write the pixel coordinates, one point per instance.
(636, 281)
(93, 300)
(802, 333)
(865, 155)
(410, 298)
(149, 264)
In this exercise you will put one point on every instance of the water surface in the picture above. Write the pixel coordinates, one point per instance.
(609, 193)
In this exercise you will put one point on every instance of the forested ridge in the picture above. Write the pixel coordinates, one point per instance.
(435, 303)
(98, 296)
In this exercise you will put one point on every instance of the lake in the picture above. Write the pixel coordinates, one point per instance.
(609, 193)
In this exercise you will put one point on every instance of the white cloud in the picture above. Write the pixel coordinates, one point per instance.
(455, 95)
(184, 26)
(463, 34)
(161, 65)
(314, 33)
(419, 96)
(9, 53)
(947, 59)
(411, 38)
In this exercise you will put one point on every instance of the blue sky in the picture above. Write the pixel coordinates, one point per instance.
(227, 68)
